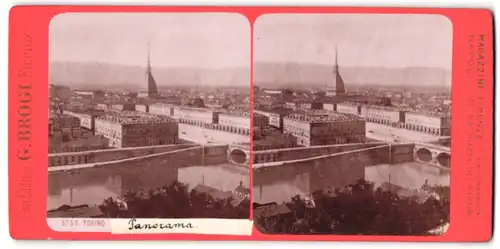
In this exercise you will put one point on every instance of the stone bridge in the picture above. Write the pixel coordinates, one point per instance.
(432, 154)
(239, 154)
(425, 153)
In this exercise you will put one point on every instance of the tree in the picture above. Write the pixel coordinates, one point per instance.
(174, 201)
(359, 209)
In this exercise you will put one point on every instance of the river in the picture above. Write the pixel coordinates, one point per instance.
(280, 185)
(92, 185)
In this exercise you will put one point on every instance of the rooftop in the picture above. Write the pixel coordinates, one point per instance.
(320, 116)
(349, 103)
(87, 141)
(387, 108)
(132, 117)
(419, 111)
(55, 115)
(238, 113)
(87, 111)
(273, 110)
(236, 199)
(162, 104)
(270, 210)
(198, 109)
(427, 113)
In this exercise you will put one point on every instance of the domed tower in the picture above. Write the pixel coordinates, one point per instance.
(152, 87)
(338, 87)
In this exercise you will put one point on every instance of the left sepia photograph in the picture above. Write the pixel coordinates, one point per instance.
(149, 115)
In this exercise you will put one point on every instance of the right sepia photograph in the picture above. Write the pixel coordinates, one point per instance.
(352, 124)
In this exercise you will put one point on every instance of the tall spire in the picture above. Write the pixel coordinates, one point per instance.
(338, 87)
(336, 67)
(152, 87)
(149, 61)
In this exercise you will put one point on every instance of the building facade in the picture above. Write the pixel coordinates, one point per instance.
(196, 115)
(324, 128)
(65, 126)
(275, 141)
(134, 129)
(434, 124)
(123, 107)
(142, 108)
(291, 105)
(82, 144)
(348, 108)
(87, 119)
(239, 120)
(329, 107)
(309, 105)
(260, 121)
(275, 116)
(103, 106)
(59, 92)
(161, 109)
(383, 115)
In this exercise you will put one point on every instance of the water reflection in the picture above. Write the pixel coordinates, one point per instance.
(91, 186)
(222, 177)
(409, 175)
(279, 185)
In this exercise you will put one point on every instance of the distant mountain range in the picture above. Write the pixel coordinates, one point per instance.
(90, 75)
(280, 74)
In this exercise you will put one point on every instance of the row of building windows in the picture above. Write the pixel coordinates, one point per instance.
(69, 160)
(64, 149)
(265, 157)
(338, 140)
(219, 127)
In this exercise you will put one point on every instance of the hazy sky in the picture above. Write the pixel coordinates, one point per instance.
(362, 39)
(208, 40)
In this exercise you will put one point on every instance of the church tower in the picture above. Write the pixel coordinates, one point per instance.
(152, 87)
(337, 88)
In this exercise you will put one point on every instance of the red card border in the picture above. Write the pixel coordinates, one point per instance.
(27, 211)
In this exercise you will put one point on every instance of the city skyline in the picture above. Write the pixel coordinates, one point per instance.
(363, 40)
(204, 40)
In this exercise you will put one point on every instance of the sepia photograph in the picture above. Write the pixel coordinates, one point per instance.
(149, 115)
(354, 128)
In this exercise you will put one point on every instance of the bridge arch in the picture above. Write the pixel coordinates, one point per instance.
(238, 156)
(443, 159)
(424, 154)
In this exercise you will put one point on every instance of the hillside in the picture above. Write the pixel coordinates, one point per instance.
(277, 74)
(110, 76)
(85, 75)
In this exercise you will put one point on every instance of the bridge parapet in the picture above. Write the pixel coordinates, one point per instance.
(382, 152)
(95, 156)
(194, 156)
(288, 154)
(174, 159)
